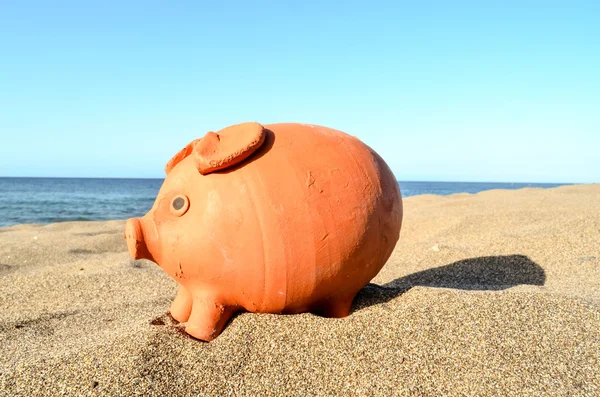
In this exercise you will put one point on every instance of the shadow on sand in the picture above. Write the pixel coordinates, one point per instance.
(487, 273)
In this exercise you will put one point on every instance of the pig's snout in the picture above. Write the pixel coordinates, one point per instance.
(134, 234)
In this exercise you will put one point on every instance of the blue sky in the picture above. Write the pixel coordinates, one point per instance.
(447, 91)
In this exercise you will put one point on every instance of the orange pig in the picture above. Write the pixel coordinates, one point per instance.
(282, 218)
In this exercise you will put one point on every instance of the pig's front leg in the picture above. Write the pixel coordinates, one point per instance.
(182, 305)
(208, 318)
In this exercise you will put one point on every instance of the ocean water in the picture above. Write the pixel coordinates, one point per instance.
(49, 200)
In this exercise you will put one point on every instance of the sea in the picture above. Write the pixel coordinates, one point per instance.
(50, 200)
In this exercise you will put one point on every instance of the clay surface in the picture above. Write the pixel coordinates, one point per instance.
(282, 218)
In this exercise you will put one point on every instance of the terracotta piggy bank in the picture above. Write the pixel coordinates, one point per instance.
(282, 218)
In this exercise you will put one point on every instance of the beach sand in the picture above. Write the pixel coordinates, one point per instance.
(493, 294)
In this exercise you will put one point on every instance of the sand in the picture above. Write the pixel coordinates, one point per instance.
(493, 294)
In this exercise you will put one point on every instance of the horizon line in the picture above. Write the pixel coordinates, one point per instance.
(398, 180)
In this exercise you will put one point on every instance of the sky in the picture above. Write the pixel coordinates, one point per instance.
(505, 91)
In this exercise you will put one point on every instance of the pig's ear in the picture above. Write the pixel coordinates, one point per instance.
(183, 153)
(228, 147)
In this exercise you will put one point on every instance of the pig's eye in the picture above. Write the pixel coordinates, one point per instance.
(180, 205)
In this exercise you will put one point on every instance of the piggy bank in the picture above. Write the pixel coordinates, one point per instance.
(282, 218)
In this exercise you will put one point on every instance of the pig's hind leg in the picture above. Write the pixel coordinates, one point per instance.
(207, 319)
(337, 307)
